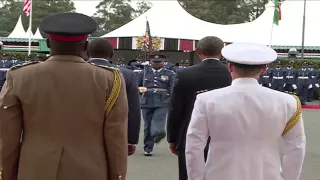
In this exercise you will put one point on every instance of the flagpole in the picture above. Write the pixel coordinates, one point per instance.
(30, 27)
(303, 28)
(271, 34)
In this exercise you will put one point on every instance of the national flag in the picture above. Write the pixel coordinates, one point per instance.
(148, 38)
(27, 7)
(277, 12)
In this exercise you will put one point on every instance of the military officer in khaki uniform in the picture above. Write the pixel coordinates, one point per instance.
(64, 119)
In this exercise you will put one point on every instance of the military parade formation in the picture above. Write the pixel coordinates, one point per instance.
(303, 82)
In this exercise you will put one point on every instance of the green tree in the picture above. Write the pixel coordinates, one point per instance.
(143, 6)
(225, 12)
(12, 9)
(111, 14)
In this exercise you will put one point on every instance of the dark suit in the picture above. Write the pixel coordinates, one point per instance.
(208, 75)
(134, 116)
(2, 78)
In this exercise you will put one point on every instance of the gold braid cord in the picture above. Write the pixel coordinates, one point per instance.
(115, 91)
(294, 119)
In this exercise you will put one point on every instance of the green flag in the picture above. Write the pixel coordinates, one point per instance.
(277, 12)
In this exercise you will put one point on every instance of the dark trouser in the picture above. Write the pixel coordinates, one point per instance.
(277, 86)
(289, 88)
(266, 85)
(154, 123)
(303, 93)
(311, 93)
(183, 175)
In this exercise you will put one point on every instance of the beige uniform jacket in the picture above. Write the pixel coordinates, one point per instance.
(58, 109)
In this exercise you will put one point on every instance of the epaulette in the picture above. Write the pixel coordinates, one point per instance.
(23, 65)
(106, 67)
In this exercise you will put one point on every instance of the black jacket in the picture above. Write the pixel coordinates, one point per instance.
(208, 75)
(134, 116)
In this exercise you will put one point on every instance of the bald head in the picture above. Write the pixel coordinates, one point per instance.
(100, 48)
(210, 46)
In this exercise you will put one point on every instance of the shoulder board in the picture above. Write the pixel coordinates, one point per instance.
(23, 65)
(106, 67)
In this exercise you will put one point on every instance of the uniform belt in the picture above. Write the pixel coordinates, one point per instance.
(277, 77)
(289, 77)
(157, 89)
(313, 77)
(301, 77)
(137, 70)
(265, 76)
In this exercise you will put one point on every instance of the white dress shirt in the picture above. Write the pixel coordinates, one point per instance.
(245, 122)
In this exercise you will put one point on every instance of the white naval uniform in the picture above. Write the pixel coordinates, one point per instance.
(245, 122)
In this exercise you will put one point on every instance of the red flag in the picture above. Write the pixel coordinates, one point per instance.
(27, 7)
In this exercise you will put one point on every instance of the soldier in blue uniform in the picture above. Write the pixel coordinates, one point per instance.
(290, 83)
(278, 75)
(181, 65)
(122, 63)
(314, 81)
(155, 86)
(136, 66)
(169, 65)
(4, 63)
(303, 77)
(15, 61)
(264, 79)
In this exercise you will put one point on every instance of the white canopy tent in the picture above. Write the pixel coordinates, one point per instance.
(18, 31)
(28, 31)
(37, 35)
(170, 20)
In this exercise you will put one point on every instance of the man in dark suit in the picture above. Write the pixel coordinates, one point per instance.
(208, 75)
(100, 51)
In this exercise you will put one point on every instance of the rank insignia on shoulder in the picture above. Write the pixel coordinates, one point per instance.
(202, 91)
(23, 65)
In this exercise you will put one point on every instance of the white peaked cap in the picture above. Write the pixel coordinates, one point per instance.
(249, 53)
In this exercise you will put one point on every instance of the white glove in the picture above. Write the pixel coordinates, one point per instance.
(317, 85)
(145, 63)
(260, 84)
(310, 86)
(294, 86)
(142, 89)
(284, 85)
(269, 84)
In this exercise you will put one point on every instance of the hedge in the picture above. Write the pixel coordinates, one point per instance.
(297, 63)
(22, 55)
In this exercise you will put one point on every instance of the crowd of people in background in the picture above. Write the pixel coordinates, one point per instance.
(283, 77)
